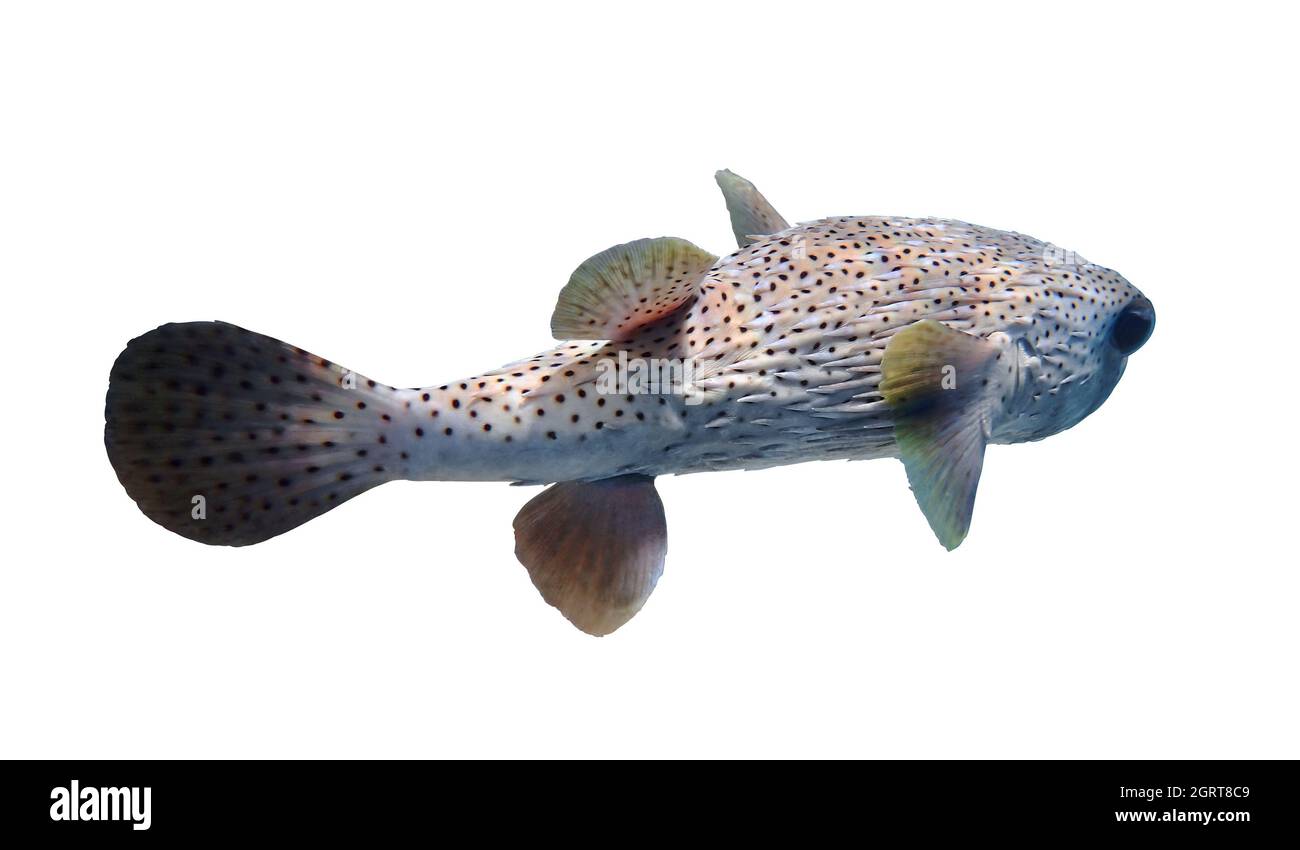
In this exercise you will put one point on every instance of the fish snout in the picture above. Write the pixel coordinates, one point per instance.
(1133, 325)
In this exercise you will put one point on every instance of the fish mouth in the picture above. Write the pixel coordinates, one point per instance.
(1134, 325)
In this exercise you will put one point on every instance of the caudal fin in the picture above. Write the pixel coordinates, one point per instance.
(230, 437)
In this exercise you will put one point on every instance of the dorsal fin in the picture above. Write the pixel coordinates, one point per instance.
(752, 217)
(628, 286)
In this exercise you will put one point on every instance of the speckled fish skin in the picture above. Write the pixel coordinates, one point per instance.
(846, 338)
(800, 335)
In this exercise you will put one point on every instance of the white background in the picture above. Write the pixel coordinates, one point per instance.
(404, 189)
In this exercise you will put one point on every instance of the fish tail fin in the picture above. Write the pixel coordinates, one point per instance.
(229, 437)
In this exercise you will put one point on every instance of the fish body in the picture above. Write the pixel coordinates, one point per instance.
(844, 338)
(795, 326)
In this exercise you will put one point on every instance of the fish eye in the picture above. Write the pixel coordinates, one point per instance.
(1133, 326)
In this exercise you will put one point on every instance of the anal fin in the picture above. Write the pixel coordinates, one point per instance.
(595, 549)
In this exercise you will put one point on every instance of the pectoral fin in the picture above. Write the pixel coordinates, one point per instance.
(937, 381)
(752, 217)
(595, 549)
(628, 286)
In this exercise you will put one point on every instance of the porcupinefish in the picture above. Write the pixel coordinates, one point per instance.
(853, 337)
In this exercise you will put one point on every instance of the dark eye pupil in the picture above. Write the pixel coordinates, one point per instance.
(1133, 326)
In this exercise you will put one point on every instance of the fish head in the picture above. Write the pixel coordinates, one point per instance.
(1085, 322)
